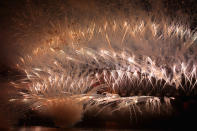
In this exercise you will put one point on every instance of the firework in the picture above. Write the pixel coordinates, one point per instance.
(141, 66)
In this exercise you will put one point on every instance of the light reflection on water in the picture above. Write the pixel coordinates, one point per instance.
(38, 128)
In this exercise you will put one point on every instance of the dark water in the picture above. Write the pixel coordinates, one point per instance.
(38, 128)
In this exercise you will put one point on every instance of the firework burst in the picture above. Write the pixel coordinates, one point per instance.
(137, 65)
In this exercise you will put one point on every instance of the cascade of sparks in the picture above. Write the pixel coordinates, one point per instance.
(117, 64)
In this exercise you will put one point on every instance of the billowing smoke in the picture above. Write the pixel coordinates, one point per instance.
(65, 112)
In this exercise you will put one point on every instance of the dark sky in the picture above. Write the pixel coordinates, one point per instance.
(10, 10)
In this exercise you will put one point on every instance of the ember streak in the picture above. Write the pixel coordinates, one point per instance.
(112, 74)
